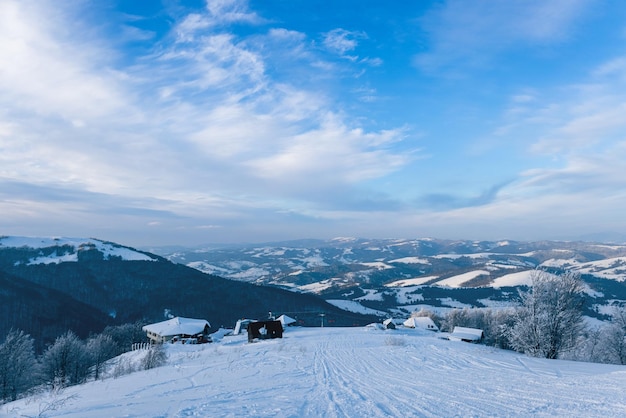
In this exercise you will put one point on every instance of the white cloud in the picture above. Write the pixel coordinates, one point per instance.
(285, 35)
(341, 41)
(468, 33)
(332, 154)
(192, 23)
(614, 67)
(582, 120)
(218, 62)
(231, 11)
(210, 134)
(45, 71)
(194, 134)
(219, 13)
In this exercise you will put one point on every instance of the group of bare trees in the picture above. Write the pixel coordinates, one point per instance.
(606, 344)
(68, 361)
(548, 323)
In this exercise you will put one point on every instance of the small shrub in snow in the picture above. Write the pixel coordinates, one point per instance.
(395, 341)
(123, 367)
(155, 357)
(54, 403)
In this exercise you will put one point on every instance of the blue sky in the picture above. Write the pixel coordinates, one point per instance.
(188, 122)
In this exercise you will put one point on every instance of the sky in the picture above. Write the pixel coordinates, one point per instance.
(219, 121)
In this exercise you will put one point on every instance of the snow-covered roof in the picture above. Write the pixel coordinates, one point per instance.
(177, 326)
(421, 322)
(286, 320)
(472, 334)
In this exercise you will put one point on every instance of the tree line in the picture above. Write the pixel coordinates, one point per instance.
(69, 360)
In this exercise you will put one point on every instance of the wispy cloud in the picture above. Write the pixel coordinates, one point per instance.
(46, 71)
(575, 120)
(219, 13)
(342, 41)
(468, 33)
(443, 201)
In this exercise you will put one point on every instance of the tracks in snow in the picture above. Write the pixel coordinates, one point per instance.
(352, 372)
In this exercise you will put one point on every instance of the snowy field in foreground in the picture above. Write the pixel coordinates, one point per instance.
(344, 372)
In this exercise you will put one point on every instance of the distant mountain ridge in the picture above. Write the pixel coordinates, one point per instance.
(397, 276)
(49, 285)
(62, 249)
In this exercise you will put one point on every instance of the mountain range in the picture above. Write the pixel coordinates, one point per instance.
(398, 276)
(50, 285)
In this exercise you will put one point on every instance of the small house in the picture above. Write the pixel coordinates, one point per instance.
(264, 330)
(185, 330)
(421, 322)
(470, 335)
(389, 324)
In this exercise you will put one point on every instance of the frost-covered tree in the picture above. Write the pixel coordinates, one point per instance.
(613, 339)
(66, 362)
(100, 349)
(590, 347)
(125, 335)
(19, 369)
(549, 321)
(494, 323)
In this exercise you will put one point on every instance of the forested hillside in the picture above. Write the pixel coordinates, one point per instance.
(44, 294)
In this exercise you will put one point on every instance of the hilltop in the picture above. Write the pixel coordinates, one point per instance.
(339, 372)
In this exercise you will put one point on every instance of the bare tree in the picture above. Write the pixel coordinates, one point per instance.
(549, 321)
(100, 349)
(18, 366)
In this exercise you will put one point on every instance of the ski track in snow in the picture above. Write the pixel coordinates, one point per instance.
(347, 372)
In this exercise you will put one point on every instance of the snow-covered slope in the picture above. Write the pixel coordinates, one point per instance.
(344, 372)
(62, 249)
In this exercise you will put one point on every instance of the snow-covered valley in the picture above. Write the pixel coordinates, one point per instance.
(343, 372)
(399, 276)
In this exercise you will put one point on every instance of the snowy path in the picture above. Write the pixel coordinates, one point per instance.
(354, 372)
